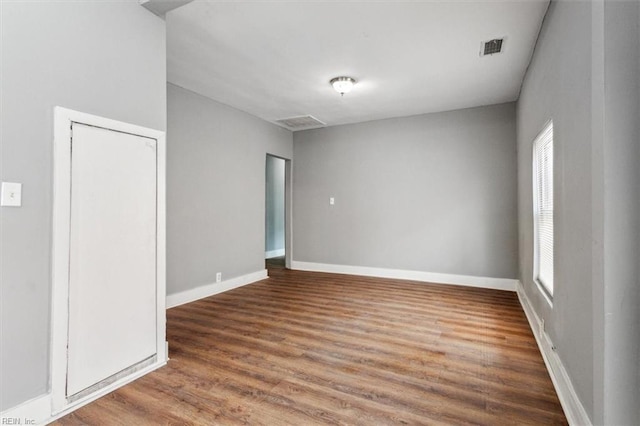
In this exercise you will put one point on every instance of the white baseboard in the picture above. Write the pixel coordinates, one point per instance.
(273, 253)
(431, 277)
(207, 290)
(36, 411)
(107, 389)
(573, 408)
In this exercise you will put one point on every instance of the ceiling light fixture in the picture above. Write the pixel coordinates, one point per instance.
(342, 85)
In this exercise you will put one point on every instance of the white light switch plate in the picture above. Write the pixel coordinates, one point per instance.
(11, 194)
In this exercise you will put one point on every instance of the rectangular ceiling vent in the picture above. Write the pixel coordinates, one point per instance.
(302, 122)
(491, 47)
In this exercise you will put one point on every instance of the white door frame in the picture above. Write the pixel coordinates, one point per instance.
(63, 120)
(288, 208)
(288, 213)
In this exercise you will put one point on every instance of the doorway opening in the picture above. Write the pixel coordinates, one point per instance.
(277, 234)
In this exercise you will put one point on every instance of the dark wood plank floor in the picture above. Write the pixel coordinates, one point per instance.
(308, 348)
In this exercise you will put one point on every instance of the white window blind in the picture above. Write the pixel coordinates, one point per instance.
(543, 207)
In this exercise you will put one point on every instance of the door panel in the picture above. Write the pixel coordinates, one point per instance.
(112, 266)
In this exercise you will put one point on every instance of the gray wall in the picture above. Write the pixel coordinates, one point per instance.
(274, 221)
(584, 76)
(433, 193)
(621, 161)
(102, 58)
(558, 86)
(215, 189)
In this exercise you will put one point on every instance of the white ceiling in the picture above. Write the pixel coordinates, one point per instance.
(275, 59)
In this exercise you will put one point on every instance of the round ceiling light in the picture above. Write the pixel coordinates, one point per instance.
(342, 85)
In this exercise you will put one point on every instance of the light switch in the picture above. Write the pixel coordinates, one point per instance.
(332, 201)
(11, 194)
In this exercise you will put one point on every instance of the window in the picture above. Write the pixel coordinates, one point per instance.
(543, 208)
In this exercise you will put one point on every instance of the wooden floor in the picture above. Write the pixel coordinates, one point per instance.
(307, 348)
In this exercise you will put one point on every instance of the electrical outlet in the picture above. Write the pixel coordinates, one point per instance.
(11, 194)
(218, 277)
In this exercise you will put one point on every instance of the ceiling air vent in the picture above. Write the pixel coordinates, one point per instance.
(302, 122)
(491, 47)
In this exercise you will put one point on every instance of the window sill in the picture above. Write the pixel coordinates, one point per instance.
(545, 293)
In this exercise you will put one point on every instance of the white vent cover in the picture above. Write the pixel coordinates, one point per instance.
(491, 47)
(302, 122)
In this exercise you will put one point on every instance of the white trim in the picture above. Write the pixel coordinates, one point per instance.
(63, 119)
(107, 389)
(573, 408)
(273, 253)
(177, 299)
(60, 255)
(431, 277)
(37, 409)
(162, 345)
(288, 213)
(52, 415)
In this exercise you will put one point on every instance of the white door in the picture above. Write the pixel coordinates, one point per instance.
(112, 254)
